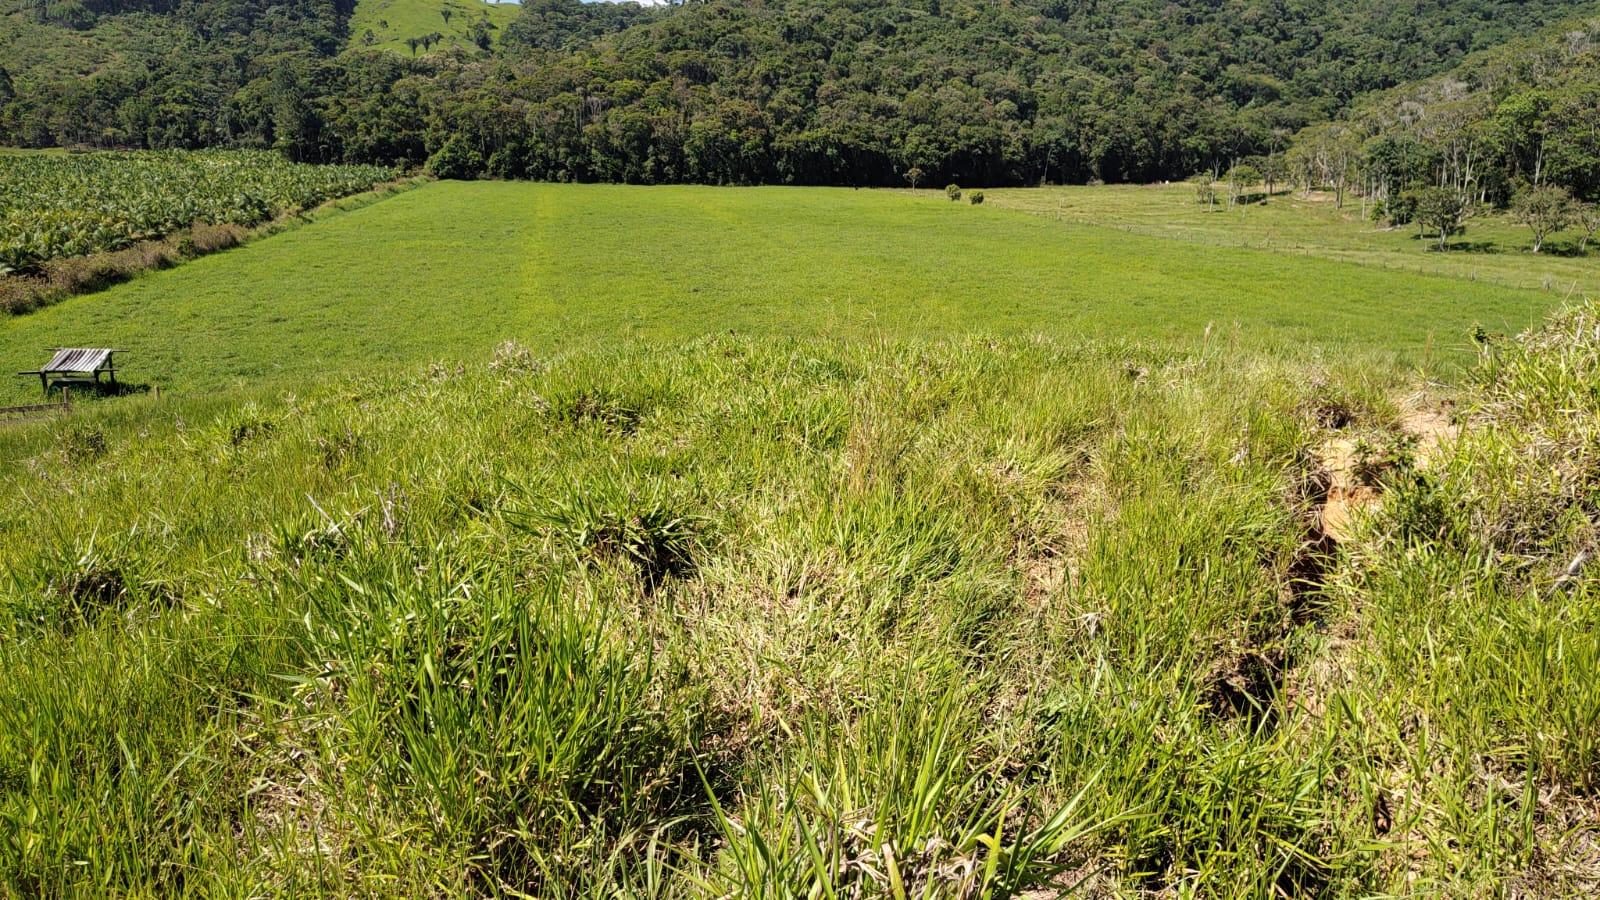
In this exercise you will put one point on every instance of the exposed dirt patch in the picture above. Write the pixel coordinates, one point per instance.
(1351, 467)
(1431, 422)
(1347, 495)
(1354, 464)
(1346, 477)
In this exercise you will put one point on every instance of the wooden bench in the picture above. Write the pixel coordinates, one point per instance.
(76, 365)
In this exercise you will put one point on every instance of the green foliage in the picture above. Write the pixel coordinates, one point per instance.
(455, 159)
(1544, 209)
(69, 205)
(975, 197)
(1398, 209)
(1443, 210)
(798, 91)
(953, 192)
(1527, 113)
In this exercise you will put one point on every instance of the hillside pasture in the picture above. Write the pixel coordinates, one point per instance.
(447, 271)
(766, 616)
(1493, 249)
(582, 541)
(392, 21)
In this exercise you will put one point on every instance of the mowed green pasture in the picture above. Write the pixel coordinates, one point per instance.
(392, 21)
(446, 272)
(1494, 249)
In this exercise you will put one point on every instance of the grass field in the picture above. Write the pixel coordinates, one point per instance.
(392, 21)
(451, 269)
(582, 541)
(764, 617)
(1493, 249)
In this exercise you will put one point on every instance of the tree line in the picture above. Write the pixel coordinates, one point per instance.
(1517, 128)
(858, 92)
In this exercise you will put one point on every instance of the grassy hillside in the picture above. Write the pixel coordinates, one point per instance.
(1493, 248)
(757, 616)
(37, 52)
(392, 21)
(449, 270)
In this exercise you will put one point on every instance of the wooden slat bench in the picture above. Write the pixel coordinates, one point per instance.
(76, 365)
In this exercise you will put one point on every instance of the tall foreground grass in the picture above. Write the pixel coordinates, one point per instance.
(770, 618)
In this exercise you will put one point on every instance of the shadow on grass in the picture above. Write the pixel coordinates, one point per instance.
(1565, 251)
(1483, 247)
(97, 391)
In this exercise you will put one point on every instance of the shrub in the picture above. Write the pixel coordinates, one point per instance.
(19, 294)
(83, 443)
(975, 198)
(953, 191)
(454, 159)
(78, 275)
(204, 238)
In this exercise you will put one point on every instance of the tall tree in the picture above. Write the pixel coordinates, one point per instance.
(1443, 209)
(1544, 210)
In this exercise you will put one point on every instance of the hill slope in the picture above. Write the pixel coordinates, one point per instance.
(992, 615)
(387, 24)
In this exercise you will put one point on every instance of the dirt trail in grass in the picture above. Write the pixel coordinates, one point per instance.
(1346, 483)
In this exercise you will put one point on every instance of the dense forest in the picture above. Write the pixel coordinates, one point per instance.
(783, 91)
(1517, 126)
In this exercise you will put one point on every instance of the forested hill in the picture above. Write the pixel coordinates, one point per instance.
(1523, 115)
(798, 91)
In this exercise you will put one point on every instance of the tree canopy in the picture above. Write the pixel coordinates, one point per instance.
(1518, 123)
(731, 91)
